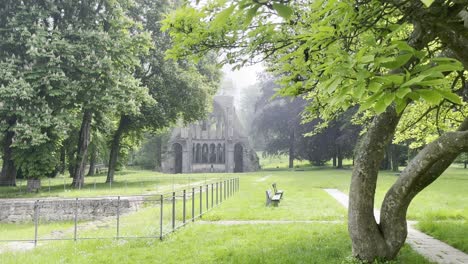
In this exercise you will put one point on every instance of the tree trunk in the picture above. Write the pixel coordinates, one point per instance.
(291, 147)
(334, 160)
(92, 161)
(115, 148)
(158, 152)
(371, 240)
(395, 157)
(81, 154)
(8, 173)
(63, 163)
(339, 157)
(368, 243)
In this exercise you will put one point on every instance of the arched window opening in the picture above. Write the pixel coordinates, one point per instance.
(205, 153)
(212, 153)
(198, 155)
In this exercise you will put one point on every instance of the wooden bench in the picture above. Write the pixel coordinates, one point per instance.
(277, 192)
(100, 168)
(272, 199)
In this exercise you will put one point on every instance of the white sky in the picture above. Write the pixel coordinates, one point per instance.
(244, 77)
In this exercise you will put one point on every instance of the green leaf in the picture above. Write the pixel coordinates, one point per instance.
(283, 10)
(398, 61)
(450, 96)
(400, 105)
(333, 85)
(223, 16)
(388, 98)
(250, 14)
(433, 82)
(430, 96)
(374, 86)
(380, 106)
(446, 67)
(370, 101)
(428, 3)
(402, 92)
(415, 80)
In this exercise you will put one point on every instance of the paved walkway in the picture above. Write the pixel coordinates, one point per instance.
(264, 178)
(431, 248)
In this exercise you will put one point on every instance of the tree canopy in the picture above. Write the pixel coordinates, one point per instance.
(397, 61)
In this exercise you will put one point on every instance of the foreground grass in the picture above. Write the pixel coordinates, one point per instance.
(304, 200)
(292, 243)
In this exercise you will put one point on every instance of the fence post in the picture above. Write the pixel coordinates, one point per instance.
(173, 211)
(220, 191)
(161, 218)
(224, 189)
(212, 192)
(183, 217)
(193, 204)
(217, 190)
(201, 201)
(75, 220)
(36, 219)
(207, 203)
(118, 216)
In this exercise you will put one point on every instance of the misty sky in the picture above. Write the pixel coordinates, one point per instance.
(244, 77)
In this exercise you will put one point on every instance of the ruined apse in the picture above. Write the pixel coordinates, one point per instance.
(216, 144)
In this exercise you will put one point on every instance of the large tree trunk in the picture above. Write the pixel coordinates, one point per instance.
(8, 173)
(81, 154)
(367, 240)
(115, 148)
(92, 160)
(372, 240)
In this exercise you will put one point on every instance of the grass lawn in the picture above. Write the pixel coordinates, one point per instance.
(441, 211)
(310, 243)
(128, 182)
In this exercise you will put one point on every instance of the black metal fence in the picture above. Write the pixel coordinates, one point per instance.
(119, 217)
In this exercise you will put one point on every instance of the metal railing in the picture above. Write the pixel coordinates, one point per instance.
(121, 217)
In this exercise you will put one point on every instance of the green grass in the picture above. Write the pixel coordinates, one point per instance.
(264, 243)
(453, 232)
(128, 182)
(291, 243)
(303, 197)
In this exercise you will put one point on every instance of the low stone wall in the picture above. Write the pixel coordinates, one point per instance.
(23, 210)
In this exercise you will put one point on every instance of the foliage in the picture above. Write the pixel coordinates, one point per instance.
(335, 62)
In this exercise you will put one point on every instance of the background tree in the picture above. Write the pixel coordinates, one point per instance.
(178, 89)
(383, 56)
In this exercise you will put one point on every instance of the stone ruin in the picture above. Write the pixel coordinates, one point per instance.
(216, 144)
